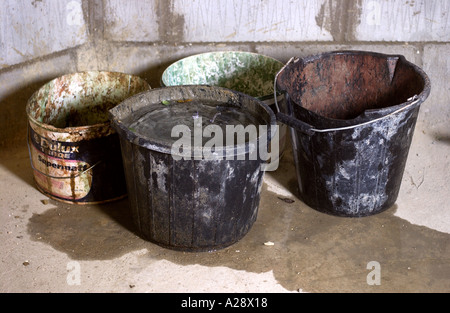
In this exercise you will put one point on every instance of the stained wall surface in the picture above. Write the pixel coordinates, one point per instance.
(41, 40)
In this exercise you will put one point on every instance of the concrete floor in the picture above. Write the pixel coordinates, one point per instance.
(47, 246)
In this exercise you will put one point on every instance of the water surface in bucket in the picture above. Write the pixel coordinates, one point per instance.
(157, 121)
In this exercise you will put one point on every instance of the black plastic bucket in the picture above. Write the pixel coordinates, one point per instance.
(191, 203)
(353, 116)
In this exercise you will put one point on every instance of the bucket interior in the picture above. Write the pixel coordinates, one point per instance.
(344, 85)
(82, 99)
(149, 118)
(250, 73)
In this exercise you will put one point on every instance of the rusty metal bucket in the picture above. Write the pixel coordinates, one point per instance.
(352, 116)
(75, 153)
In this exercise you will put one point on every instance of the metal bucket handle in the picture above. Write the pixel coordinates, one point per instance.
(49, 176)
(289, 119)
(309, 129)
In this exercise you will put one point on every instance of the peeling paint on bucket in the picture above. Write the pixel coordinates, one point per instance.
(74, 152)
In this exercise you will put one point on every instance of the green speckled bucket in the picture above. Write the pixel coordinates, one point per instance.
(250, 73)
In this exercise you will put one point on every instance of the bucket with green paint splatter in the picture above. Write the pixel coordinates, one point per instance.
(250, 73)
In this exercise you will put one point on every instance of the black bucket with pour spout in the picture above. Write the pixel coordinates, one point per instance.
(352, 116)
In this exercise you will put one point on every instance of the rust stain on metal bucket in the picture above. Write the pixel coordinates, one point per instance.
(75, 153)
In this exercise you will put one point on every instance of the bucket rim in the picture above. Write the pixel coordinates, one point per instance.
(427, 84)
(255, 54)
(165, 147)
(415, 100)
(70, 130)
(74, 129)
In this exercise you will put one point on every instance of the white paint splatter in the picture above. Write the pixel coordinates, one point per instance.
(275, 187)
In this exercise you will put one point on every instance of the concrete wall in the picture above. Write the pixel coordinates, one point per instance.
(43, 39)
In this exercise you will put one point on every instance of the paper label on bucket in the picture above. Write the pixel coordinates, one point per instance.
(55, 170)
(56, 149)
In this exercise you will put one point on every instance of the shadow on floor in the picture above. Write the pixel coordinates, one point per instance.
(312, 251)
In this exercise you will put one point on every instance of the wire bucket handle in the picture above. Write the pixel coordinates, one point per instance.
(308, 129)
